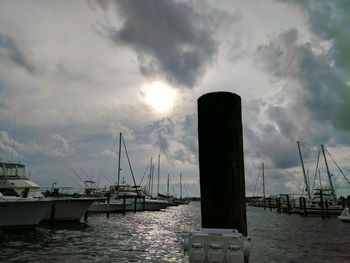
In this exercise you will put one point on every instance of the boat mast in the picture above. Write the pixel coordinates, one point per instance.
(328, 173)
(158, 174)
(180, 186)
(318, 160)
(120, 144)
(127, 156)
(167, 187)
(302, 165)
(263, 181)
(151, 178)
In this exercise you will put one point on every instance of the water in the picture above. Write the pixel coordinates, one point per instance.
(157, 237)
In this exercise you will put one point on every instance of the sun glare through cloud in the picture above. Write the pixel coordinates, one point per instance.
(159, 96)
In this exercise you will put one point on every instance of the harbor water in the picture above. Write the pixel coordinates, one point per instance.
(157, 237)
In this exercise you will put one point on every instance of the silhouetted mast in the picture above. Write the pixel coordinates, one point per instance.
(158, 174)
(120, 145)
(263, 181)
(305, 178)
(328, 173)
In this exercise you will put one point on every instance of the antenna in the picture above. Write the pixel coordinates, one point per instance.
(13, 139)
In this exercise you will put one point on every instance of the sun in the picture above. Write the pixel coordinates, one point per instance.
(159, 96)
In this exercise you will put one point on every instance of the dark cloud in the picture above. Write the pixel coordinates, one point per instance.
(281, 57)
(190, 130)
(159, 133)
(270, 145)
(319, 97)
(10, 50)
(330, 20)
(324, 75)
(172, 39)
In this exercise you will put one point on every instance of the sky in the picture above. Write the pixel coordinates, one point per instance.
(75, 75)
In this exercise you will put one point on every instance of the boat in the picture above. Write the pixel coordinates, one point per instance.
(322, 200)
(18, 211)
(134, 198)
(14, 182)
(345, 215)
(114, 206)
(138, 198)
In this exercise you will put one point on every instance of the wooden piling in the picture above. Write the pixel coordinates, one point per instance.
(343, 204)
(322, 204)
(124, 204)
(53, 213)
(327, 208)
(221, 163)
(302, 210)
(108, 202)
(144, 203)
(278, 204)
(86, 215)
(135, 203)
(304, 206)
(288, 204)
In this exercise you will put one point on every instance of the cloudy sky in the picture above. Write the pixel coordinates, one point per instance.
(74, 75)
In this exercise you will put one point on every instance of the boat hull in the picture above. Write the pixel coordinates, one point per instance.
(68, 209)
(155, 205)
(113, 207)
(345, 215)
(22, 212)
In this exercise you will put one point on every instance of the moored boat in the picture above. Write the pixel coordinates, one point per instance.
(14, 182)
(345, 215)
(17, 211)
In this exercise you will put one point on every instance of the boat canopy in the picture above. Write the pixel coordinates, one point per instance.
(12, 170)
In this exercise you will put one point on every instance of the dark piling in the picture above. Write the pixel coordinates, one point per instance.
(124, 204)
(53, 213)
(322, 204)
(221, 162)
(108, 202)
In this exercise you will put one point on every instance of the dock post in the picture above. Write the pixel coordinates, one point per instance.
(343, 202)
(124, 203)
(270, 206)
(221, 162)
(53, 213)
(327, 210)
(144, 203)
(86, 215)
(301, 206)
(322, 204)
(135, 203)
(108, 202)
(304, 206)
(288, 205)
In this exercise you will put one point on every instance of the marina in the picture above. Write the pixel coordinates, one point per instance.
(133, 131)
(158, 237)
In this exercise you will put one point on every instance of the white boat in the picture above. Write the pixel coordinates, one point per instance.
(345, 215)
(67, 208)
(16, 211)
(314, 205)
(13, 181)
(114, 206)
(138, 198)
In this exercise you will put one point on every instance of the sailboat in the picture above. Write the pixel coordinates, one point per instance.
(125, 197)
(345, 215)
(322, 199)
